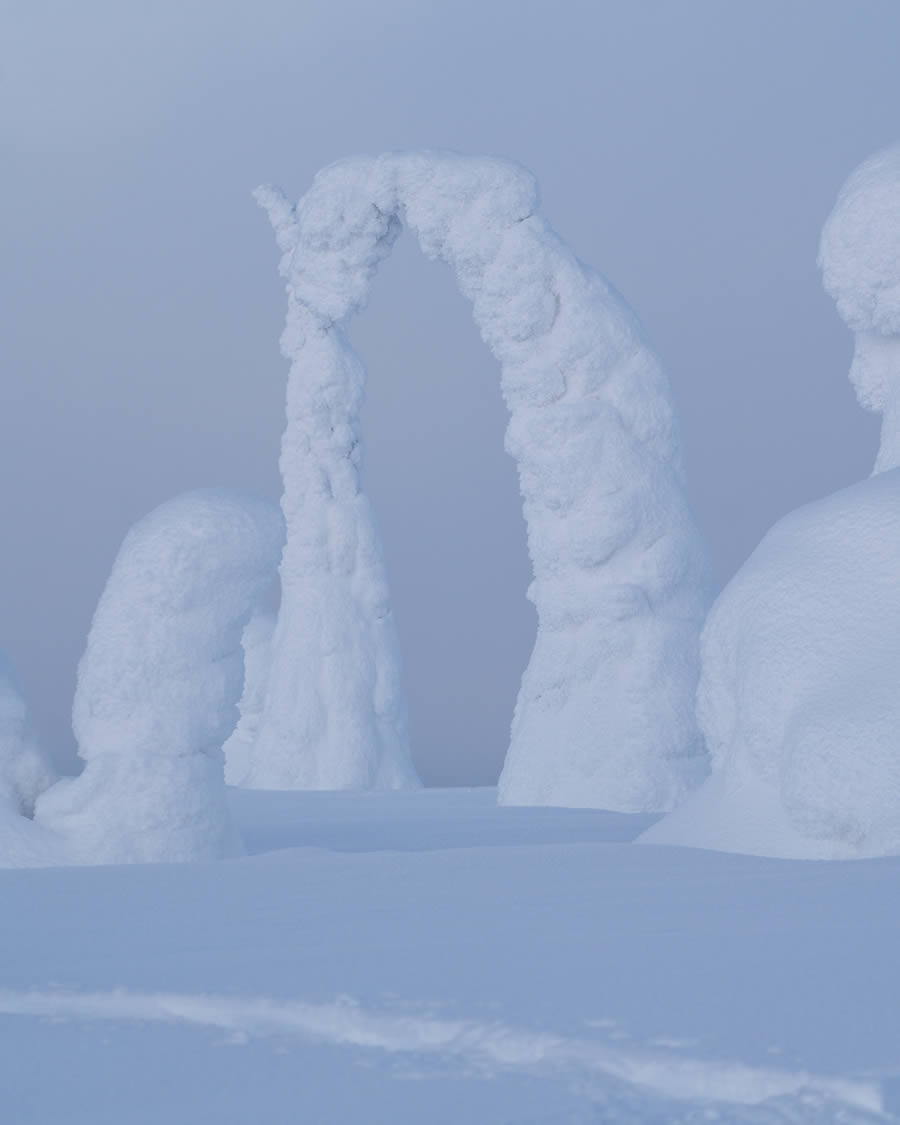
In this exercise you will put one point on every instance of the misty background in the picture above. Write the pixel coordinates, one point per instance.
(690, 150)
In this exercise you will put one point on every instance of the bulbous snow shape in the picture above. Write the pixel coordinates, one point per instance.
(798, 694)
(621, 578)
(860, 259)
(240, 759)
(159, 682)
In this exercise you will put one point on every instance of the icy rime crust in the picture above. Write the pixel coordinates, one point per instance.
(159, 682)
(621, 581)
(801, 653)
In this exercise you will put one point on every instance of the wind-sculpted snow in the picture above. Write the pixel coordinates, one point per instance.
(159, 682)
(621, 583)
(801, 654)
(860, 260)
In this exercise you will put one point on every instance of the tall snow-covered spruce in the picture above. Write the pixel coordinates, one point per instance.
(605, 714)
(159, 683)
(798, 694)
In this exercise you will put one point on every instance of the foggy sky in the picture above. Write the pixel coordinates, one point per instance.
(690, 150)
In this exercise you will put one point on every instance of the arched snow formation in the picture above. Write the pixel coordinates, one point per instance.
(605, 714)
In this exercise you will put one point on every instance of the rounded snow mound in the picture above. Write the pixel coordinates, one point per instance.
(798, 699)
(860, 248)
(159, 683)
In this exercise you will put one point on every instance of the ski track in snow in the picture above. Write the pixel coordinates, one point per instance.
(344, 1022)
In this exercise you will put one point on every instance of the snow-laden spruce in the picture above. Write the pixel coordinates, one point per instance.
(798, 695)
(159, 683)
(605, 714)
(240, 757)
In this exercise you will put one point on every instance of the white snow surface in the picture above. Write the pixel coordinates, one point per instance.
(430, 957)
(798, 695)
(240, 757)
(159, 682)
(621, 584)
(860, 259)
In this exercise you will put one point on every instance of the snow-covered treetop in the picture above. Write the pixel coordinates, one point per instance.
(860, 249)
(860, 259)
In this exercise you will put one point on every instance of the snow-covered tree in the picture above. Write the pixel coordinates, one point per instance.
(798, 694)
(25, 772)
(159, 683)
(621, 582)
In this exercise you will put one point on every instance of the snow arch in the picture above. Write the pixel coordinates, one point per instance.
(621, 582)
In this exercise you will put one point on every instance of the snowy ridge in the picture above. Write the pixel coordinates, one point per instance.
(621, 580)
(346, 1023)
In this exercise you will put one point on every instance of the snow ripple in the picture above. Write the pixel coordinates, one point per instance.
(791, 1095)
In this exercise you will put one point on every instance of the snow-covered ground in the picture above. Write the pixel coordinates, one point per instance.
(428, 957)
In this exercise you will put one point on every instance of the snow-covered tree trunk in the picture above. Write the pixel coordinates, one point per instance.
(621, 580)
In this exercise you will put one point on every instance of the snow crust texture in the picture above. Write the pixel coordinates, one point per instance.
(621, 582)
(159, 682)
(801, 653)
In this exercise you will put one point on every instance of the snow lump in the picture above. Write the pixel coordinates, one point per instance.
(159, 683)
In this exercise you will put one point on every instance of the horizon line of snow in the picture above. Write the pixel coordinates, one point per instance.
(343, 1022)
